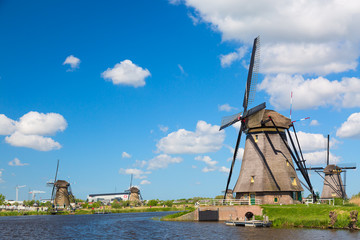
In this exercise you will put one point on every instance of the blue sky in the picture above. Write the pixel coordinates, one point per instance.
(140, 87)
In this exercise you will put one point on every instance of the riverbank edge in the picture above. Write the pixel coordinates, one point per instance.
(90, 211)
(294, 216)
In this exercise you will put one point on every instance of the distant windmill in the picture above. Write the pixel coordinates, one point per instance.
(61, 195)
(334, 186)
(17, 191)
(34, 192)
(134, 191)
(267, 170)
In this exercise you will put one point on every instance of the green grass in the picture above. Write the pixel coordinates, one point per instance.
(312, 215)
(21, 213)
(176, 215)
(136, 210)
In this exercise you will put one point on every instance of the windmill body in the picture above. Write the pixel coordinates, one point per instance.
(62, 196)
(267, 171)
(135, 195)
(333, 180)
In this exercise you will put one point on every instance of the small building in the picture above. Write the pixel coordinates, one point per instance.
(108, 197)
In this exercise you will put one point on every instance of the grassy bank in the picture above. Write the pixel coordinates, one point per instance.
(174, 216)
(21, 213)
(91, 211)
(312, 215)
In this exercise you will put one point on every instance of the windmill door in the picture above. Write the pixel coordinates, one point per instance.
(252, 198)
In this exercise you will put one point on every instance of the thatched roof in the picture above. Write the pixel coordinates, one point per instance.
(332, 169)
(62, 183)
(254, 121)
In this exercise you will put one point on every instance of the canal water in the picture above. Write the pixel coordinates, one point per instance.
(141, 226)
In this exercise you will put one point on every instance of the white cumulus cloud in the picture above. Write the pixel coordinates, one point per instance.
(314, 123)
(239, 154)
(209, 169)
(1, 173)
(125, 155)
(140, 164)
(206, 138)
(228, 59)
(7, 125)
(224, 169)
(311, 93)
(126, 73)
(34, 123)
(311, 142)
(74, 62)
(143, 182)
(162, 161)
(207, 160)
(226, 107)
(309, 36)
(31, 129)
(163, 128)
(36, 142)
(350, 128)
(17, 162)
(319, 158)
(138, 173)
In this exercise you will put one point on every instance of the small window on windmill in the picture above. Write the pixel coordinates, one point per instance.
(333, 194)
(293, 181)
(252, 179)
(256, 138)
(276, 200)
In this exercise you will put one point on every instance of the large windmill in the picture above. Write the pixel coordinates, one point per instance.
(61, 195)
(267, 170)
(334, 186)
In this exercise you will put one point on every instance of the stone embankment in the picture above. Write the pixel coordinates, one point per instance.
(220, 213)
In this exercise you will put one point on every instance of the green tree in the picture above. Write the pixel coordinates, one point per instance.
(45, 204)
(115, 204)
(2, 199)
(152, 202)
(96, 204)
(125, 203)
(29, 203)
(169, 203)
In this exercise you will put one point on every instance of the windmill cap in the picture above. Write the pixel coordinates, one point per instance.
(331, 169)
(254, 121)
(62, 183)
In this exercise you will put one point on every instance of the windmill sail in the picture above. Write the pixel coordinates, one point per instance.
(230, 120)
(248, 96)
(252, 74)
(267, 170)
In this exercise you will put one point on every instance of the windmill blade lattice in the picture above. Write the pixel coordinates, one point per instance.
(52, 193)
(253, 73)
(248, 97)
(230, 120)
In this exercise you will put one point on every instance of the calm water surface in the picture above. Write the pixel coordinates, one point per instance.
(140, 226)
